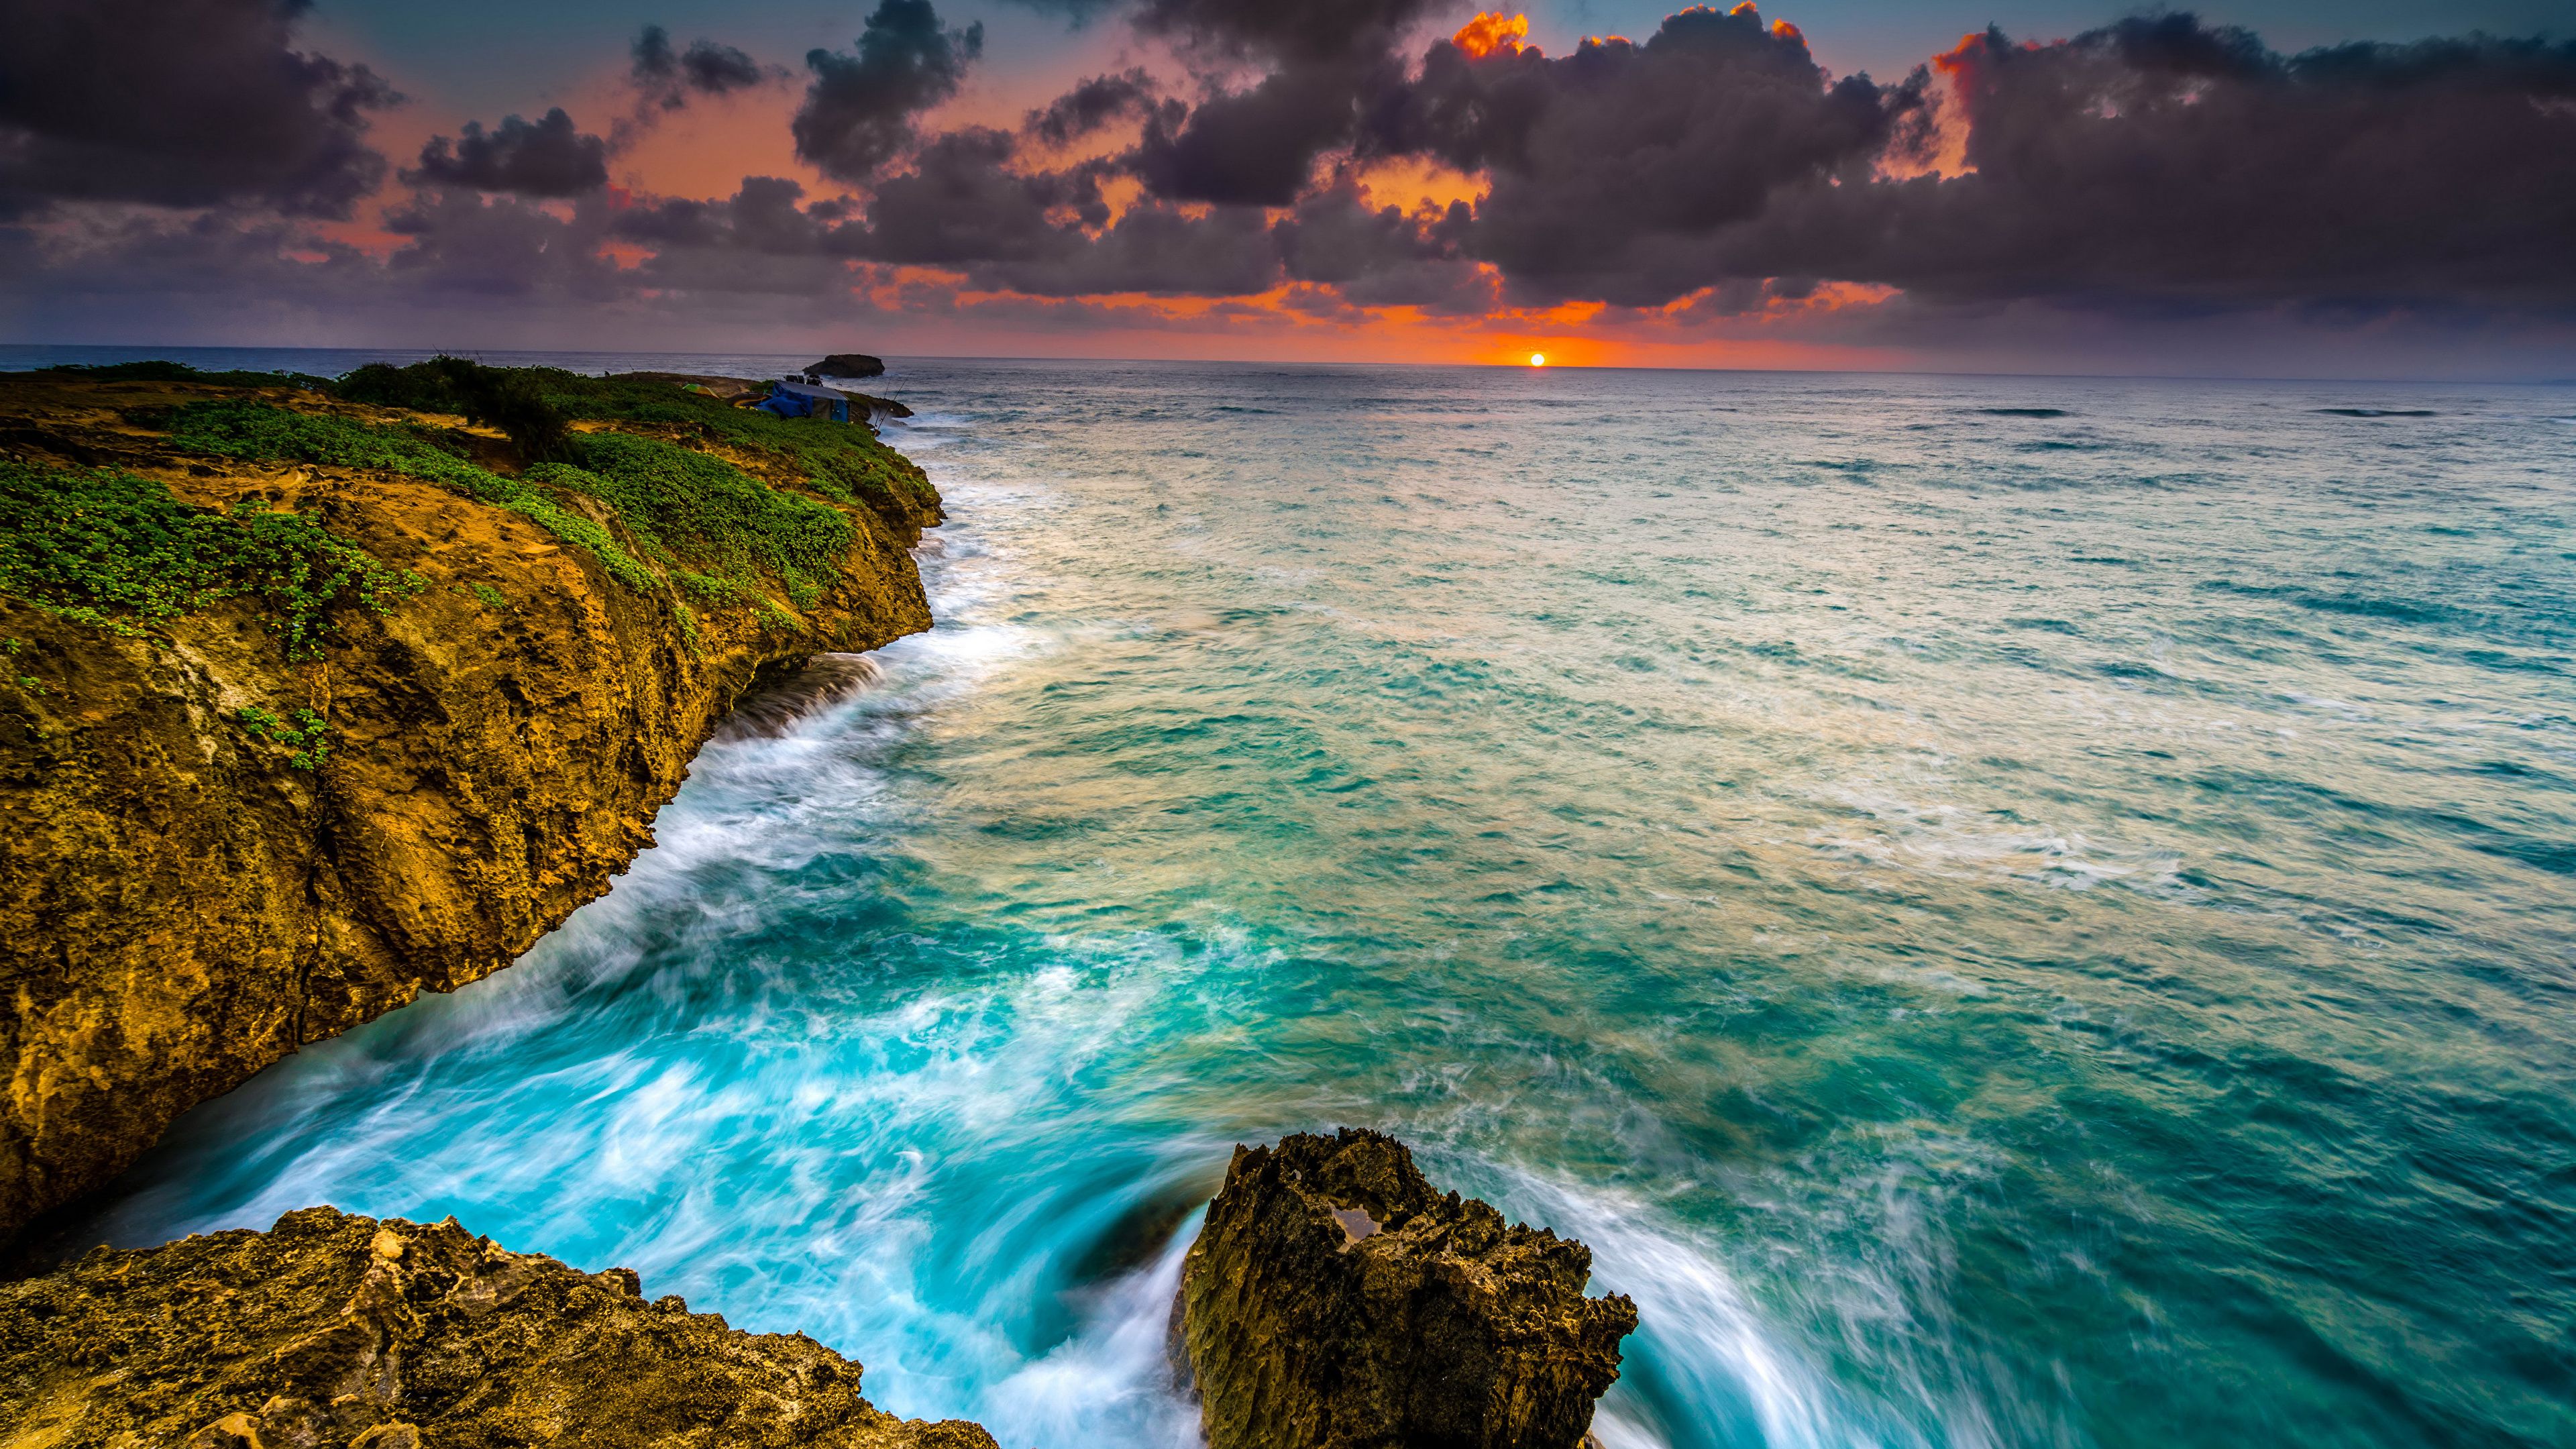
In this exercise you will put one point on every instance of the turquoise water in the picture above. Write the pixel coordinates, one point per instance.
(2007, 912)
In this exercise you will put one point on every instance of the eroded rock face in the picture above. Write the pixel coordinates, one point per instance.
(1336, 1300)
(182, 904)
(335, 1330)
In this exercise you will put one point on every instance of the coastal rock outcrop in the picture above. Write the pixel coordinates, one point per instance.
(1336, 1300)
(309, 705)
(336, 1330)
(849, 364)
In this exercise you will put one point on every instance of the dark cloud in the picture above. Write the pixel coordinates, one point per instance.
(1078, 13)
(1092, 105)
(2163, 163)
(1709, 177)
(858, 113)
(1333, 65)
(547, 157)
(1614, 167)
(462, 244)
(1256, 147)
(179, 103)
(2155, 163)
(1155, 249)
(1381, 257)
(964, 208)
(669, 77)
(1289, 33)
(765, 239)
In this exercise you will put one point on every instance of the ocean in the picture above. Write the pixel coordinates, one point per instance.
(2007, 911)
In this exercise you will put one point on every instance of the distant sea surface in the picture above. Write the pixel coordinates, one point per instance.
(2007, 911)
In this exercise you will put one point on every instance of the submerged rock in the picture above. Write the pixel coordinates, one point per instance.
(1336, 1300)
(335, 1330)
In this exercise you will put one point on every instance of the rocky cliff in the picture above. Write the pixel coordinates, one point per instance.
(1336, 1300)
(310, 701)
(333, 1330)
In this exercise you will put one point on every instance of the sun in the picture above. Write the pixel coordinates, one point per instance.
(1538, 359)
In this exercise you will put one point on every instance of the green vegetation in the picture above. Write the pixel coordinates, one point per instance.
(13, 647)
(508, 398)
(234, 428)
(840, 462)
(486, 595)
(704, 524)
(181, 372)
(677, 501)
(534, 405)
(118, 552)
(307, 737)
(671, 499)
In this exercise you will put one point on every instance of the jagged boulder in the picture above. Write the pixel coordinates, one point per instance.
(336, 1330)
(1336, 1300)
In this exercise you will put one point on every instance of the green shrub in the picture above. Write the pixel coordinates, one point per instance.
(159, 371)
(842, 462)
(509, 398)
(234, 428)
(307, 737)
(701, 507)
(118, 552)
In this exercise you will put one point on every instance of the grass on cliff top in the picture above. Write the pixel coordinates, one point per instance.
(535, 404)
(708, 526)
(158, 371)
(115, 551)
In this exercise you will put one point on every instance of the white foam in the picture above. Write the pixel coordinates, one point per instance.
(1111, 1383)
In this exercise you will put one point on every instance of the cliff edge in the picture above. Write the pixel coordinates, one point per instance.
(336, 1330)
(316, 696)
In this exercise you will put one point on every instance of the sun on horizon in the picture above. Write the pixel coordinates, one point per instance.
(1538, 359)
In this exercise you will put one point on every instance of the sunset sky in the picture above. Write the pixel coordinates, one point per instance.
(2270, 187)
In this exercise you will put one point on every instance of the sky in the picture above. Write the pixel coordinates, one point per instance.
(2380, 188)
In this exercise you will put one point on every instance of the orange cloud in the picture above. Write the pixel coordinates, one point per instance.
(1492, 31)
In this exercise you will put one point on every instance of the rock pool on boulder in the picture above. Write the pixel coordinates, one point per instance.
(1336, 1300)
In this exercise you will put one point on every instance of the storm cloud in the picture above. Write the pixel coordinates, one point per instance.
(546, 157)
(180, 103)
(858, 113)
(2154, 164)
(669, 77)
(1614, 167)
(1330, 65)
(1097, 102)
(2163, 163)
(1705, 176)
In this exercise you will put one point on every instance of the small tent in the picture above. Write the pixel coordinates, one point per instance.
(804, 400)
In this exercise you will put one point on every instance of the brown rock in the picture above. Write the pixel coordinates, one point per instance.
(1336, 1300)
(334, 1330)
(180, 905)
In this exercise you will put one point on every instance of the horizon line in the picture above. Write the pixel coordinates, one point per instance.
(1925, 371)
